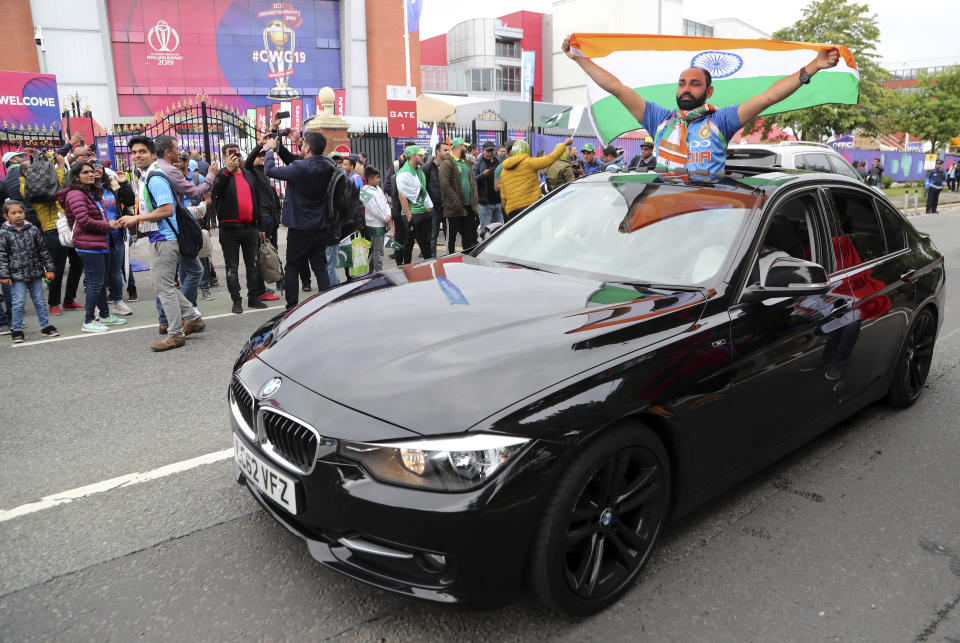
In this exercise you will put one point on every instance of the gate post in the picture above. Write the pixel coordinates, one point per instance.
(206, 131)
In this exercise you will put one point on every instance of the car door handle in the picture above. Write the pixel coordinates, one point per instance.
(908, 275)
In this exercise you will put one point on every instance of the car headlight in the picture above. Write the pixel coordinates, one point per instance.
(444, 464)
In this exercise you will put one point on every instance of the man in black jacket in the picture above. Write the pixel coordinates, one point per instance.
(305, 210)
(269, 199)
(431, 170)
(236, 201)
(485, 170)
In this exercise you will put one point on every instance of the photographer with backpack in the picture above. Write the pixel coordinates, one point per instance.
(310, 229)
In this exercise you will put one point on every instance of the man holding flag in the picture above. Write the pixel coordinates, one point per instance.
(695, 136)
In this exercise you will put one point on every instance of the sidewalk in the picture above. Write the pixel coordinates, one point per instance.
(948, 201)
(144, 309)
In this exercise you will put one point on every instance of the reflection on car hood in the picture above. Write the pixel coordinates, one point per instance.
(438, 346)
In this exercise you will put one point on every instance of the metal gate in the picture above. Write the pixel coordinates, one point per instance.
(15, 139)
(198, 125)
(380, 149)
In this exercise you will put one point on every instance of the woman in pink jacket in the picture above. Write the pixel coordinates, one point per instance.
(91, 228)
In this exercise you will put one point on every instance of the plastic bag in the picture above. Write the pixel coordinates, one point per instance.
(359, 256)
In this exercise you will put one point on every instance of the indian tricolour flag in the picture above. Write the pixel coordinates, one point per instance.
(740, 68)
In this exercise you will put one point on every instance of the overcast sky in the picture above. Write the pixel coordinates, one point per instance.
(924, 37)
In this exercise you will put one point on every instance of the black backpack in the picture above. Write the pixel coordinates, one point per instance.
(40, 180)
(188, 231)
(343, 203)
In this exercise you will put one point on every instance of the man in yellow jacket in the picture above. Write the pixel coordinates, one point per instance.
(519, 183)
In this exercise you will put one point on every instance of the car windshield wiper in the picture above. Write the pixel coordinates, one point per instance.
(524, 265)
(647, 284)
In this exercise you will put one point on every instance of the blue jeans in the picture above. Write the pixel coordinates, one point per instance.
(332, 273)
(435, 230)
(96, 266)
(490, 214)
(115, 274)
(190, 271)
(35, 287)
(6, 301)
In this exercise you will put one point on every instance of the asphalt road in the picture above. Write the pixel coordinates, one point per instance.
(854, 537)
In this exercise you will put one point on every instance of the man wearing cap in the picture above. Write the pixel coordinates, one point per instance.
(415, 204)
(590, 163)
(489, 199)
(613, 159)
(935, 180)
(645, 160)
(694, 136)
(460, 201)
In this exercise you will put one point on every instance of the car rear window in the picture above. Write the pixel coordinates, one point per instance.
(752, 158)
(894, 230)
(861, 238)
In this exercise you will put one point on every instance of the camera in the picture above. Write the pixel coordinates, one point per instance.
(282, 115)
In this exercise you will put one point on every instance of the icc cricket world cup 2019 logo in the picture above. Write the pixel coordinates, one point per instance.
(164, 41)
(280, 48)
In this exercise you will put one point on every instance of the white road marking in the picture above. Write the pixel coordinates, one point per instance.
(123, 329)
(127, 480)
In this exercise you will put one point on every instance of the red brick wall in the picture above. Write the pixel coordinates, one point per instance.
(385, 65)
(16, 34)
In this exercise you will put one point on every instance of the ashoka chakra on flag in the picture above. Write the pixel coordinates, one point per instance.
(741, 68)
(720, 64)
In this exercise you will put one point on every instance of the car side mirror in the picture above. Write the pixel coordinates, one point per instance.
(790, 277)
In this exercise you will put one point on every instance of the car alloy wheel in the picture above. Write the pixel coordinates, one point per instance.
(602, 522)
(913, 364)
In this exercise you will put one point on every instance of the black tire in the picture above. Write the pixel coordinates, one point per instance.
(913, 362)
(601, 522)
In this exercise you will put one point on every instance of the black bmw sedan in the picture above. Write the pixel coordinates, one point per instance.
(537, 409)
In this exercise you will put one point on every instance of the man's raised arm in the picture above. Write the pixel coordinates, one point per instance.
(786, 86)
(608, 82)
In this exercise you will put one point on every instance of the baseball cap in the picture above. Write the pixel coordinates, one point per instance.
(335, 155)
(458, 141)
(10, 156)
(588, 148)
(192, 164)
(489, 145)
(939, 161)
(520, 148)
(412, 150)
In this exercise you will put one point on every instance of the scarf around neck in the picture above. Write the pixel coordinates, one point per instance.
(672, 150)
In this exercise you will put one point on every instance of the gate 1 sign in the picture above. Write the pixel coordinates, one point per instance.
(401, 111)
(29, 99)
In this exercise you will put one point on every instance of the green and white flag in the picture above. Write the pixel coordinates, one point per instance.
(741, 69)
(560, 119)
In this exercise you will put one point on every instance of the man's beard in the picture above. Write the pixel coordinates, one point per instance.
(686, 101)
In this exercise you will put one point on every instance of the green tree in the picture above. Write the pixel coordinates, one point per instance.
(844, 23)
(930, 111)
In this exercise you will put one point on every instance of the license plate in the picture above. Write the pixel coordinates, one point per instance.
(278, 487)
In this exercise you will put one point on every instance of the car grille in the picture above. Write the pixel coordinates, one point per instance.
(291, 440)
(244, 401)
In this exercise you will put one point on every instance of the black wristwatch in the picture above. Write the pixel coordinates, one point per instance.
(804, 76)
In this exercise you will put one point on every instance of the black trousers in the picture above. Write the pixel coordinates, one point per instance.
(234, 240)
(933, 198)
(419, 230)
(60, 254)
(306, 247)
(466, 227)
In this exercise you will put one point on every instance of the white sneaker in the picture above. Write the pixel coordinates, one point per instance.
(205, 294)
(121, 308)
(94, 327)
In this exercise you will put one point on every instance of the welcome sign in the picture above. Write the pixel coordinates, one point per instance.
(29, 100)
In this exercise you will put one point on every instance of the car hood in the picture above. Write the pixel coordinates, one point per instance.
(438, 346)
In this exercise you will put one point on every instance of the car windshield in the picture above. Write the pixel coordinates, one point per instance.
(627, 230)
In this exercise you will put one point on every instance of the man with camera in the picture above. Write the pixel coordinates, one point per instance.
(237, 204)
(304, 210)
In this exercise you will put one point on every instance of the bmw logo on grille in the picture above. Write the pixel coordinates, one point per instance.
(271, 387)
(720, 64)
